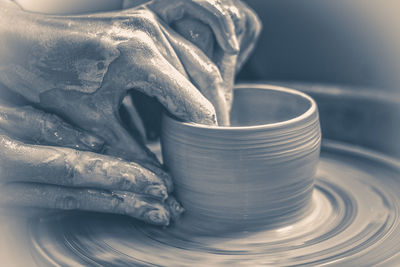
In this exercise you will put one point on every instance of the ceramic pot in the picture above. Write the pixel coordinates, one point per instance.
(257, 173)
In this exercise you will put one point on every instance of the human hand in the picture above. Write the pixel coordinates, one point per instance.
(38, 75)
(50, 164)
(81, 67)
(233, 24)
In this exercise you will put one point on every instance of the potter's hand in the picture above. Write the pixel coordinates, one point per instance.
(80, 68)
(234, 25)
(52, 165)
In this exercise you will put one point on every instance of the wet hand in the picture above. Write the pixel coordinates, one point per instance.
(48, 163)
(81, 67)
(225, 30)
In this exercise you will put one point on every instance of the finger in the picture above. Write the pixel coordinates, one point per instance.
(234, 10)
(197, 33)
(163, 175)
(99, 171)
(138, 127)
(204, 73)
(68, 167)
(208, 12)
(156, 77)
(35, 126)
(174, 208)
(250, 35)
(128, 148)
(66, 198)
(178, 95)
(99, 113)
(226, 64)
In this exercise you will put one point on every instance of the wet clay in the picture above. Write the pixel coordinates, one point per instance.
(257, 173)
(353, 220)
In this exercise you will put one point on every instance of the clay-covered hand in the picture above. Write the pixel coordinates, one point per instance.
(80, 68)
(234, 26)
(50, 164)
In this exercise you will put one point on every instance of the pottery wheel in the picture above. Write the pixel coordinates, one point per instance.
(354, 220)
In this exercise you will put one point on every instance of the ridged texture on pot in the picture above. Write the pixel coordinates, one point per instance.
(249, 177)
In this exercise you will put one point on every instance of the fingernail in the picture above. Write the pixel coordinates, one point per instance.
(159, 191)
(93, 142)
(174, 207)
(158, 217)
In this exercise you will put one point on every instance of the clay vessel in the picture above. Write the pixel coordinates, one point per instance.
(257, 173)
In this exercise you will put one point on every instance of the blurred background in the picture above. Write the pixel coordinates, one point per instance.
(344, 42)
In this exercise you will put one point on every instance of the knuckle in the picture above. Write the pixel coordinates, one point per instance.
(72, 168)
(125, 184)
(144, 175)
(94, 167)
(144, 47)
(119, 175)
(142, 19)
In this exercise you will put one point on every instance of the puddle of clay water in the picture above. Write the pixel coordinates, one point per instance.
(353, 221)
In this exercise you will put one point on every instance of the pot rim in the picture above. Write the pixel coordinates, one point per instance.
(263, 86)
